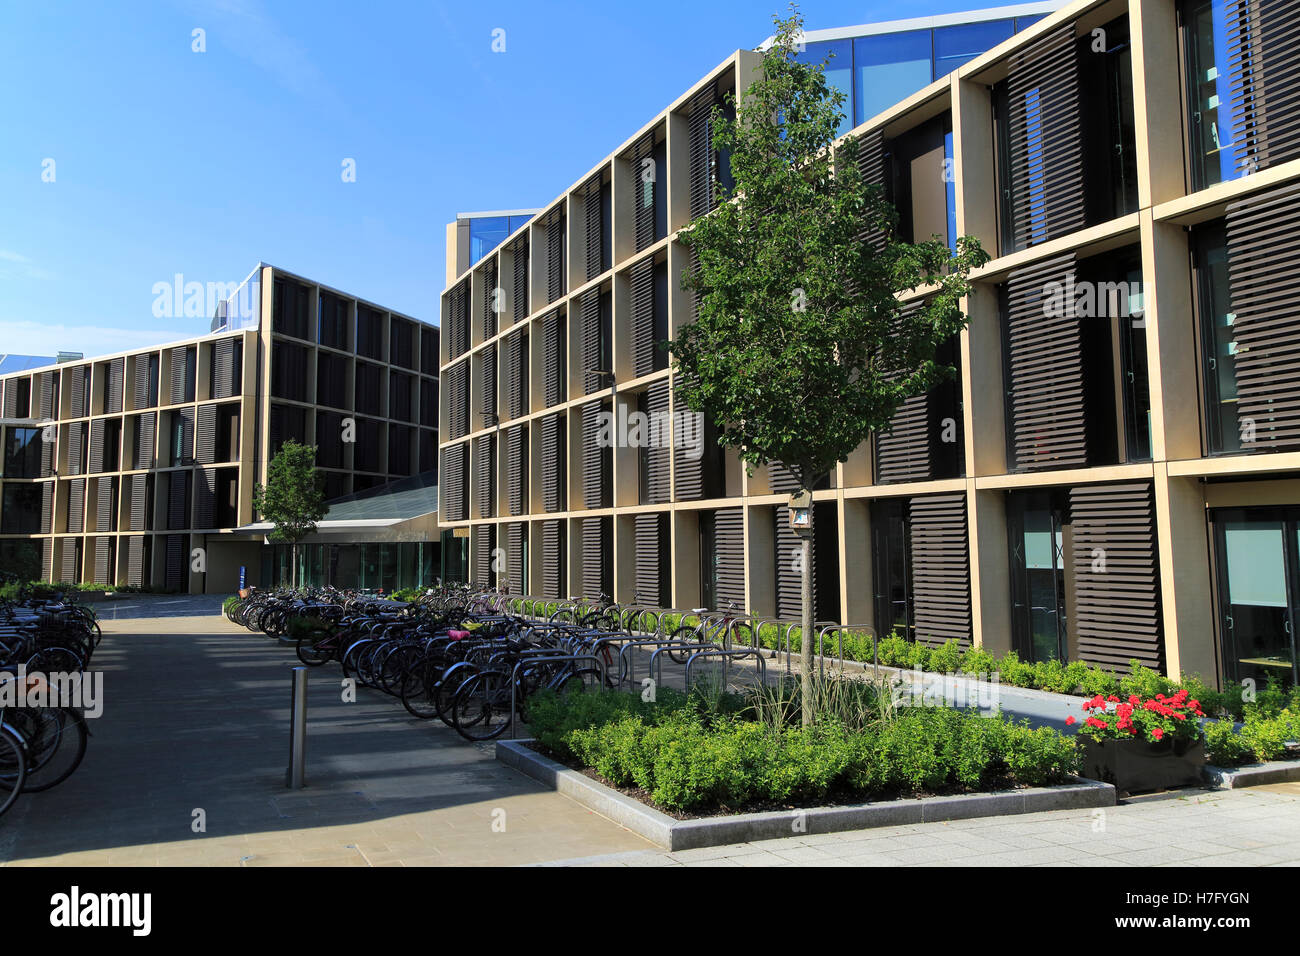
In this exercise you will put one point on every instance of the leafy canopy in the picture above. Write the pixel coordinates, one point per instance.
(293, 498)
(800, 348)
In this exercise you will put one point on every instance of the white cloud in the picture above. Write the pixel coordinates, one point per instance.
(22, 337)
(15, 266)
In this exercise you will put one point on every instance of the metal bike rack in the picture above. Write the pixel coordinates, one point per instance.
(665, 644)
(756, 653)
(626, 666)
(571, 658)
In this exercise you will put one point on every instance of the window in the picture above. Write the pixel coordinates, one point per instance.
(1212, 155)
(1110, 140)
(838, 58)
(334, 322)
(919, 164)
(22, 453)
(888, 68)
(20, 509)
(956, 46)
(1218, 338)
(1035, 523)
(891, 551)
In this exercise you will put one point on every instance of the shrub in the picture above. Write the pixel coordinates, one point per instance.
(1224, 746)
(946, 658)
(976, 660)
(1267, 735)
(894, 651)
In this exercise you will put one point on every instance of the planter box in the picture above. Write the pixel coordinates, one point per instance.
(1139, 765)
(673, 834)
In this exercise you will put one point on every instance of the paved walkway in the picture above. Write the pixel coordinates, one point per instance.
(195, 719)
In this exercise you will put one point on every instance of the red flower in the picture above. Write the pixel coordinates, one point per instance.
(1070, 721)
(1157, 733)
(1112, 698)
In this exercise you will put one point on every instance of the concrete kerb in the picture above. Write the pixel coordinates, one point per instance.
(1252, 775)
(672, 834)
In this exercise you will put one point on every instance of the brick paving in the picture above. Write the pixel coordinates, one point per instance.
(196, 718)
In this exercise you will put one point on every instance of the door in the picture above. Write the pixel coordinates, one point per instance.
(1035, 525)
(1258, 562)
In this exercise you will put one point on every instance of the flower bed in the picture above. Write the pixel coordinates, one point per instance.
(688, 757)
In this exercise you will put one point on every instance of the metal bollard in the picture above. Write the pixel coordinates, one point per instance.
(294, 777)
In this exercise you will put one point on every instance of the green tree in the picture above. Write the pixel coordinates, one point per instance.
(801, 347)
(293, 498)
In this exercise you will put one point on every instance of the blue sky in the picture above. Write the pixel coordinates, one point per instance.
(167, 161)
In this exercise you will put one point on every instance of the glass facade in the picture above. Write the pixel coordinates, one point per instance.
(1212, 155)
(488, 232)
(875, 72)
(387, 566)
(1258, 555)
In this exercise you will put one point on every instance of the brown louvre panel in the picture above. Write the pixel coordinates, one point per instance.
(700, 153)
(647, 550)
(553, 358)
(103, 560)
(515, 558)
(1116, 583)
(452, 478)
(483, 576)
(781, 479)
(657, 461)
(49, 450)
(70, 566)
(1045, 370)
(789, 582)
(903, 452)
(105, 505)
(458, 400)
(597, 461)
(145, 427)
(555, 258)
(458, 320)
(1045, 134)
(96, 463)
(490, 384)
(79, 387)
(519, 294)
(47, 507)
(175, 570)
(178, 500)
(491, 300)
(205, 498)
(46, 393)
(592, 217)
(642, 279)
(729, 539)
(139, 499)
(553, 559)
(135, 561)
(140, 384)
(47, 559)
(645, 192)
(116, 382)
(1263, 242)
(76, 506)
(589, 328)
(516, 476)
(76, 448)
(485, 475)
(553, 458)
(1264, 80)
(11, 400)
(940, 569)
(871, 165)
(225, 380)
(187, 435)
(688, 455)
(180, 375)
(205, 451)
(516, 375)
(597, 554)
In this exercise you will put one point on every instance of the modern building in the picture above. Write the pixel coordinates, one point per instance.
(1115, 472)
(139, 468)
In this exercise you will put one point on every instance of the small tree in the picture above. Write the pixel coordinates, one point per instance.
(801, 348)
(293, 498)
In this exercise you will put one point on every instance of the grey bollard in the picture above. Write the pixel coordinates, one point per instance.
(295, 776)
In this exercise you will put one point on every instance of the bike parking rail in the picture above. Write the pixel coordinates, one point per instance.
(569, 658)
(728, 655)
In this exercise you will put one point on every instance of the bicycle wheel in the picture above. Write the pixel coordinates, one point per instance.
(59, 751)
(315, 648)
(420, 689)
(481, 707)
(686, 632)
(13, 768)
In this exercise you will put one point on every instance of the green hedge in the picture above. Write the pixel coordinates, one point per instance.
(689, 759)
(1263, 736)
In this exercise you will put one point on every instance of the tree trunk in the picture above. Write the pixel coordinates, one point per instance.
(806, 635)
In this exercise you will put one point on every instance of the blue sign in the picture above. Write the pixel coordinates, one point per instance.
(242, 570)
